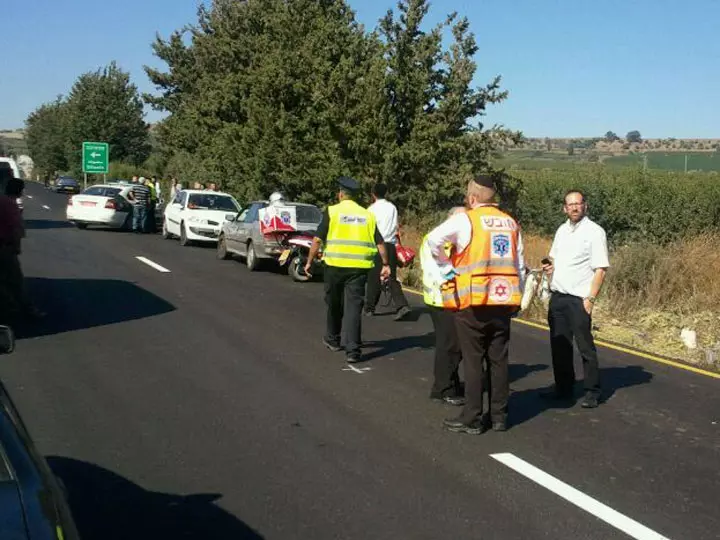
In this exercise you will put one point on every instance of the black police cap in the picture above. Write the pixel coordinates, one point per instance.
(350, 184)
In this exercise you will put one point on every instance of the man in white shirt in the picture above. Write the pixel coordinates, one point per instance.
(579, 257)
(386, 216)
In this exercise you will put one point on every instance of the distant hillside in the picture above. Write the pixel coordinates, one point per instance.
(620, 146)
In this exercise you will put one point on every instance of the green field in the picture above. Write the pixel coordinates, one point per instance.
(662, 161)
(670, 161)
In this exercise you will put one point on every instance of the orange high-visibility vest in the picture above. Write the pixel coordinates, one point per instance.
(487, 267)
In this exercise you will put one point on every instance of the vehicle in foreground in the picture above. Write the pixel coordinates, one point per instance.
(198, 216)
(32, 499)
(66, 184)
(242, 235)
(104, 205)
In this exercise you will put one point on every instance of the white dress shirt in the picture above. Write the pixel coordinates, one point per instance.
(577, 251)
(458, 231)
(386, 216)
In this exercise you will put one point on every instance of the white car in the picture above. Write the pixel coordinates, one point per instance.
(105, 205)
(197, 216)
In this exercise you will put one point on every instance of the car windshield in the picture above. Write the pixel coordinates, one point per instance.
(308, 214)
(67, 181)
(211, 201)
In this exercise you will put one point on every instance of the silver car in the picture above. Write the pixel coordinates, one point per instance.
(241, 236)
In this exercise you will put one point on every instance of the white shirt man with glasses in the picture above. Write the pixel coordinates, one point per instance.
(578, 263)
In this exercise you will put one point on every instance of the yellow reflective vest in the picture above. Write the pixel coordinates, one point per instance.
(431, 276)
(351, 236)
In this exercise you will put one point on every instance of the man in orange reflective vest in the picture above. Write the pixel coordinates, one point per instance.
(484, 280)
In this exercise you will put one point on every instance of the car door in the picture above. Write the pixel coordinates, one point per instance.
(232, 229)
(173, 213)
(245, 227)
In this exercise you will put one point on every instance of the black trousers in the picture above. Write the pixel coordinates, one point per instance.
(13, 298)
(374, 286)
(568, 319)
(447, 354)
(484, 335)
(344, 296)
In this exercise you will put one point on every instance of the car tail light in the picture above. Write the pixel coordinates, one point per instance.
(111, 205)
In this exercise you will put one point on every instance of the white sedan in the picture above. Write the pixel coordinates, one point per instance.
(105, 205)
(197, 216)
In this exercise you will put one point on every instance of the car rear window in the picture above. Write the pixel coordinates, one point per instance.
(209, 201)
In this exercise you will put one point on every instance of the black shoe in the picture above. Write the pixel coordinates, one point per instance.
(334, 347)
(456, 425)
(555, 394)
(353, 358)
(589, 402)
(455, 401)
(402, 313)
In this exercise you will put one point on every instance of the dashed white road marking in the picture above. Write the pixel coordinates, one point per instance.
(29, 196)
(350, 367)
(46, 207)
(152, 264)
(578, 498)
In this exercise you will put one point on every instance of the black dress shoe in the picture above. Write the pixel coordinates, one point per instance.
(334, 347)
(353, 358)
(589, 402)
(402, 313)
(455, 401)
(456, 425)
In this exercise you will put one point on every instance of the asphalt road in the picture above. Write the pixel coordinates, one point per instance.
(200, 403)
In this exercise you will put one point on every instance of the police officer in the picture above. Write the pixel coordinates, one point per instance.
(351, 240)
(446, 386)
(483, 281)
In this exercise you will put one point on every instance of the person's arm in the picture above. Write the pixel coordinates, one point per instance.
(385, 271)
(600, 262)
(550, 268)
(319, 240)
(442, 234)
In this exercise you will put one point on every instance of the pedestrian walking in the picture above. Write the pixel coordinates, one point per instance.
(351, 239)
(446, 386)
(578, 263)
(483, 280)
(386, 217)
(140, 197)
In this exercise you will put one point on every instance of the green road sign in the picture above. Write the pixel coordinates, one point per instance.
(95, 157)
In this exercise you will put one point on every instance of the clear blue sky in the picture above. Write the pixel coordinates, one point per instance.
(572, 68)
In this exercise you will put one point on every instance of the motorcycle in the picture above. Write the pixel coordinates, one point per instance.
(297, 246)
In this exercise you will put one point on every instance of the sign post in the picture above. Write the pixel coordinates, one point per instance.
(95, 158)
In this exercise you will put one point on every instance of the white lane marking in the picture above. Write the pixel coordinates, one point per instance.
(154, 265)
(46, 207)
(578, 498)
(29, 196)
(350, 367)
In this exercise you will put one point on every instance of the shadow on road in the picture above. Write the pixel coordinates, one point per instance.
(520, 371)
(37, 224)
(107, 506)
(393, 346)
(527, 404)
(76, 304)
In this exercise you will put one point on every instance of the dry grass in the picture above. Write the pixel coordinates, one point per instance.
(650, 295)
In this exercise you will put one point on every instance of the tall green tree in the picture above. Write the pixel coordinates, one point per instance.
(46, 130)
(105, 106)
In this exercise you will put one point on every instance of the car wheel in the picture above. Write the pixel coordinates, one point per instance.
(297, 270)
(222, 252)
(252, 260)
(165, 233)
(81, 225)
(183, 236)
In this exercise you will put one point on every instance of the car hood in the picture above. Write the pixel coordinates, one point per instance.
(217, 216)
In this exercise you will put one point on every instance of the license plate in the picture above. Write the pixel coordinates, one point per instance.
(284, 256)
(87, 203)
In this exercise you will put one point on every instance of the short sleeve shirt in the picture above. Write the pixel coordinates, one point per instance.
(577, 251)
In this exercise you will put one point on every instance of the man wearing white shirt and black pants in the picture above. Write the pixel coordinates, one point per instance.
(579, 261)
(386, 216)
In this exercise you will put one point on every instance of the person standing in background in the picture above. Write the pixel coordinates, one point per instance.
(579, 261)
(140, 197)
(174, 188)
(386, 216)
(446, 385)
(158, 189)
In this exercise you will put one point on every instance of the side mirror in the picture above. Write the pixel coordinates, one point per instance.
(7, 340)
(230, 217)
